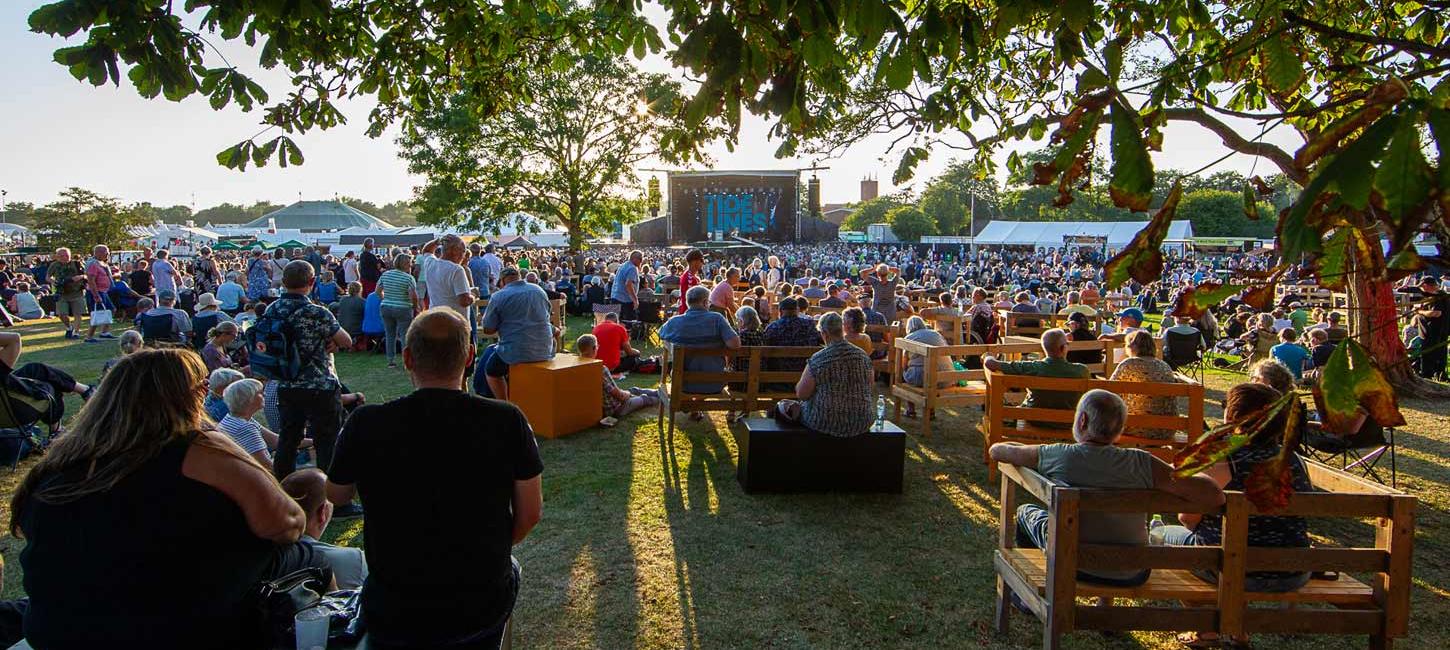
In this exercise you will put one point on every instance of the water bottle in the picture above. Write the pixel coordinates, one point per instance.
(1156, 530)
(880, 412)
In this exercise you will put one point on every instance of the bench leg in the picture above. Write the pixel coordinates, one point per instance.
(1004, 606)
(1380, 642)
(1051, 640)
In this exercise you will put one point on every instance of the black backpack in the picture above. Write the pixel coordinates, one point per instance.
(272, 347)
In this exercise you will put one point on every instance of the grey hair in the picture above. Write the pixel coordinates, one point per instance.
(697, 296)
(915, 323)
(747, 318)
(831, 325)
(145, 304)
(1054, 339)
(241, 393)
(1099, 418)
(221, 378)
(130, 341)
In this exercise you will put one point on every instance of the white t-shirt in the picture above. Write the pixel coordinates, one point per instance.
(349, 270)
(446, 281)
(161, 276)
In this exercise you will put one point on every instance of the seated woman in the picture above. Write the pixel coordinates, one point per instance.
(1142, 365)
(1261, 339)
(617, 401)
(25, 304)
(372, 324)
(218, 354)
(350, 310)
(244, 400)
(835, 389)
(1244, 404)
(1080, 329)
(146, 475)
(855, 319)
(217, 383)
(915, 372)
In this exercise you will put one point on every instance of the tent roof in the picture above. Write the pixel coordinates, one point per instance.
(318, 215)
(1050, 233)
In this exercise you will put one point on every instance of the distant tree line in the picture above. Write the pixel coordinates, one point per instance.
(398, 213)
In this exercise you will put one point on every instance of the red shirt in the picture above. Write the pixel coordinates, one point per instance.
(612, 337)
(687, 279)
(100, 274)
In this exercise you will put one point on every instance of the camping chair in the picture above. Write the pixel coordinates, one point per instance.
(1184, 353)
(24, 436)
(1360, 453)
(157, 329)
(600, 309)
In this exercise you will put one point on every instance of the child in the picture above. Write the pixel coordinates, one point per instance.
(617, 402)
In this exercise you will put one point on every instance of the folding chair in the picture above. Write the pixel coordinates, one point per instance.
(1184, 353)
(1360, 453)
(23, 436)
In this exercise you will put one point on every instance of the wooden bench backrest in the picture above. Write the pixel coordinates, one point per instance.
(817, 310)
(1344, 496)
(904, 349)
(999, 385)
(754, 376)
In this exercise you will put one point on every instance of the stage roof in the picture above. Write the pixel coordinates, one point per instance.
(1050, 233)
(318, 216)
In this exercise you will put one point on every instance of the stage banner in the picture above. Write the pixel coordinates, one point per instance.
(712, 205)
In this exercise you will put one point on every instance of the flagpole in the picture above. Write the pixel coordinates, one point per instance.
(972, 225)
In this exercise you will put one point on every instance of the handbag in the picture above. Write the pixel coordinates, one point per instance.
(278, 602)
(101, 317)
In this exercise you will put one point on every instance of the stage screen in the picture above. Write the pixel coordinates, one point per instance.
(758, 205)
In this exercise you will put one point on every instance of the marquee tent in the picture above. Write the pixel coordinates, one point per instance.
(1051, 234)
(317, 216)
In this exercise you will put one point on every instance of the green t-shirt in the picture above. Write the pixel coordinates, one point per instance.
(1300, 319)
(1102, 466)
(395, 285)
(1049, 399)
(60, 274)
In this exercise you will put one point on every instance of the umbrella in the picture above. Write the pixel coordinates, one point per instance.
(227, 245)
(291, 243)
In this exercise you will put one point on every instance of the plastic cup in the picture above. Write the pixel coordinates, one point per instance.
(311, 625)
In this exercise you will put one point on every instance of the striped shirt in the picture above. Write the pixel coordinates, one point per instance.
(396, 285)
(246, 433)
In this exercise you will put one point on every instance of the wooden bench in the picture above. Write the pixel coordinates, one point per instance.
(1046, 580)
(755, 390)
(1000, 416)
(888, 334)
(559, 396)
(931, 395)
(776, 457)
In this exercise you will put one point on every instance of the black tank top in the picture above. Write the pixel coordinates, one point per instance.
(159, 561)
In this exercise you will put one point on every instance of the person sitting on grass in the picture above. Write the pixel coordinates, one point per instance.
(614, 348)
(350, 312)
(130, 341)
(25, 304)
(1291, 354)
(308, 487)
(1054, 364)
(217, 383)
(835, 388)
(617, 401)
(1094, 461)
(244, 400)
(217, 352)
(36, 391)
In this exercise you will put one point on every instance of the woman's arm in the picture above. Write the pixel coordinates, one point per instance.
(806, 387)
(270, 513)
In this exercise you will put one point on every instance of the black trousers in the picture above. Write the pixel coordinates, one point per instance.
(1432, 359)
(58, 381)
(319, 411)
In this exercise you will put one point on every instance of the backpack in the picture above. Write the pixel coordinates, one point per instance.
(272, 347)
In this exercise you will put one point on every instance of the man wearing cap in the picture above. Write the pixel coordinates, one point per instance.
(1299, 317)
(1434, 315)
(1129, 320)
(166, 305)
(519, 314)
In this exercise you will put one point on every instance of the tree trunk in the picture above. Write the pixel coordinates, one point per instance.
(1374, 322)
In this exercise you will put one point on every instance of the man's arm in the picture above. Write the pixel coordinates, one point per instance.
(1014, 453)
(733, 342)
(991, 363)
(528, 505)
(341, 339)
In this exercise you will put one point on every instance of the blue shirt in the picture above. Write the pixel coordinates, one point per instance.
(482, 274)
(700, 328)
(627, 274)
(231, 294)
(373, 315)
(1292, 355)
(520, 313)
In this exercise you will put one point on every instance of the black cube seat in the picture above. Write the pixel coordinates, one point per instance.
(780, 457)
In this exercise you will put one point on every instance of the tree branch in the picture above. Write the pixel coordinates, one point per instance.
(1408, 46)
(1236, 142)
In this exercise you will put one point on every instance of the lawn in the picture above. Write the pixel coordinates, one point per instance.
(648, 541)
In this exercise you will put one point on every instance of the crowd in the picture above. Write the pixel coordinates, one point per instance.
(153, 475)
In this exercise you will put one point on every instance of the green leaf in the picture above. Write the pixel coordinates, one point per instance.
(288, 153)
(896, 70)
(1113, 58)
(1283, 71)
(1251, 202)
(1132, 184)
(1440, 129)
(236, 156)
(1403, 178)
(264, 153)
(1077, 13)
(1349, 382)
(1346, 245)
(1350, 172)
(1142, 258)
(909, 160)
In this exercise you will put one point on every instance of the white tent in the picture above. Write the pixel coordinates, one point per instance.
(1051, 234)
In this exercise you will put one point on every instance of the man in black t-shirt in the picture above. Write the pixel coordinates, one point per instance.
(369, 267)
(1435, 318)
(442, 517)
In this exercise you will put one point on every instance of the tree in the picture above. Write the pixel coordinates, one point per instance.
(567, 156)
(872, 211)
(948, 198)
(80, 219)
(909, 223)
(1219, 213)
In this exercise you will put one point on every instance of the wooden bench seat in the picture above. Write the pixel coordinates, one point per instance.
(1046, 583)
(757, 388)
(779, 457)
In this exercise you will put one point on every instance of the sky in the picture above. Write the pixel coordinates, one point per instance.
(57, 132)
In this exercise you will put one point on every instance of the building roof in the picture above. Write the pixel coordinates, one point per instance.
(1051, 233)
(318, 216)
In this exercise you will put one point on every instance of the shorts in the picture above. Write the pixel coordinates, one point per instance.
(70, 306)
(496, 367)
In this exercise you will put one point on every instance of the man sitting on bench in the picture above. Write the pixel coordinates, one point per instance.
(1094, 462)
(1054, 345)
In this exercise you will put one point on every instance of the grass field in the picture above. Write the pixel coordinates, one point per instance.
(647, 541)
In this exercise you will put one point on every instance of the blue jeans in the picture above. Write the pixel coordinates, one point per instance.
(395, 327)
(1032, 521)
(1275, 583)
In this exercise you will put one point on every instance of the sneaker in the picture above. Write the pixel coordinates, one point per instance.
(86, 396)
(71, 334)
(348, 511)
(92, 339)
(108, 335)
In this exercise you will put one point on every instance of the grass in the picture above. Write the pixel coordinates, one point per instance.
(647, 540)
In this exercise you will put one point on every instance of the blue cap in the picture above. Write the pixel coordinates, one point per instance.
(1132, 312)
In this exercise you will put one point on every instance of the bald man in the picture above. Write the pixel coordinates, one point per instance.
(1055, 364)
(421, 594)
